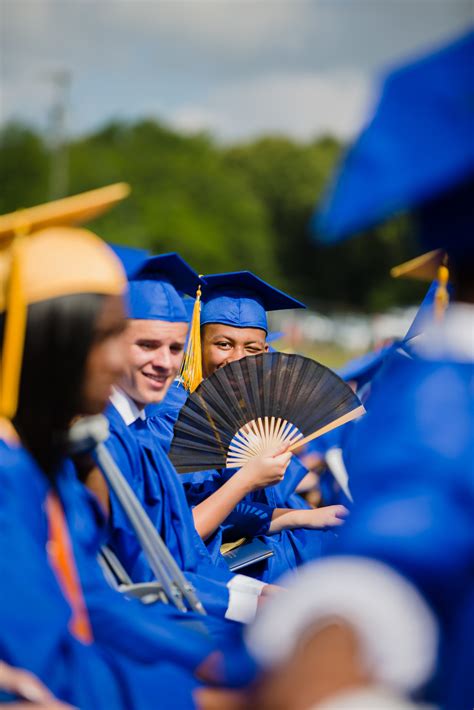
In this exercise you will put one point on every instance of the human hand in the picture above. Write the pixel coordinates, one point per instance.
(218, 698)
(326, 517)
(25, 685)
(267, 470)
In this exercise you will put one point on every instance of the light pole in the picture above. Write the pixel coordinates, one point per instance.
(59, 168)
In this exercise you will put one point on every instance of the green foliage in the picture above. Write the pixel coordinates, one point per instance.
(24, 168)
(222, 208)
(184, 197)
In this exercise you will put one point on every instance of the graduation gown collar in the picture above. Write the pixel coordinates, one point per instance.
(126, 407)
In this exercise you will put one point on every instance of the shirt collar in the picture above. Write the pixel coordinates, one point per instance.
(125, 406)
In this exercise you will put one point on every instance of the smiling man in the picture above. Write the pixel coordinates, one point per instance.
(155, 354)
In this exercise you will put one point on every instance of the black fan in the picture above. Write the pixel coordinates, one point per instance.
(259, 404)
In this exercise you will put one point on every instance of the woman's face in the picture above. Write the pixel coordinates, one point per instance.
(107, 357)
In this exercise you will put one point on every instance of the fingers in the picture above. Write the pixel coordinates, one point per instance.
(283, 458)
(337, 515)
(281, 450)
(23, 683)
(341, 511)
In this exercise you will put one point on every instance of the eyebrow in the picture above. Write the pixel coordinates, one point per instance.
(157, 343)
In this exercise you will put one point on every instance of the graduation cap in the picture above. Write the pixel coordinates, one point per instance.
(421, 268)
(416, 152)
(362, 369)
(432, 266)
(132, 258)
(43, 256)
(156, 289)
(429, 310)
(239, 299)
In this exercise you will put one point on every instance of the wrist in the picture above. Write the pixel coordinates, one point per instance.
(243, 482)
(295, 519)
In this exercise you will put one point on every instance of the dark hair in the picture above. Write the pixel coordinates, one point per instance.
(59, 335)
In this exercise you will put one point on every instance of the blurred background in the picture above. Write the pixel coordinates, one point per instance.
(227, 117)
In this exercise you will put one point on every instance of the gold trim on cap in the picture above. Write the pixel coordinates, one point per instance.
(422, 268)
(67, 211)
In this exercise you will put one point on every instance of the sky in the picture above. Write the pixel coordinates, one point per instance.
(236, 68)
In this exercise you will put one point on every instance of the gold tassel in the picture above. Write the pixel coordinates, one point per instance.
(191, 369)
(14, 335)
(441, 299)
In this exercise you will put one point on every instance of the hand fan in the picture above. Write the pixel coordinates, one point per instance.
(257, 405)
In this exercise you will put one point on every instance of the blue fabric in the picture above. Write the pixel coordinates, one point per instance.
(363, 368)
(446, 221)
(412, 477)
(417, 146)
(155, 285)
(290, 547)
(156, 300)
(111, 672)
(132, 258)
(158, 487)
(241, 299)
(235, 309)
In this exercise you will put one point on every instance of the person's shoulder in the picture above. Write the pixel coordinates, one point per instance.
(16, 465)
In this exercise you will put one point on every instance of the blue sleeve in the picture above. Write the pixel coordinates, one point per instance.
(248, 519)
(140, 633)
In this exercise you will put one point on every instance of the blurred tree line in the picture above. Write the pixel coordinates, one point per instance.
(223, 208)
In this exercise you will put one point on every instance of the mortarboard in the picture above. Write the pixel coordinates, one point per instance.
(417, 147)
(156, 288)
(427, 312)
(421, 268)
(132, 258)
(363, 368)
(239, 299)
(43, 256)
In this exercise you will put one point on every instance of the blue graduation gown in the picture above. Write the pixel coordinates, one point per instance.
(412, 476)
(252, 517)
(34, 615)
(153, 478)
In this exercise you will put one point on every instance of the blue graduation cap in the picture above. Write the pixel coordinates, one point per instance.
(426, 313)
(417, 148)
(154, 286)
(241, 299)
(132, 258)
(362, 369)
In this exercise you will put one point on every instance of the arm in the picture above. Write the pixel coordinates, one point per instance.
(329, 516)
(259, 472)
(16, 682)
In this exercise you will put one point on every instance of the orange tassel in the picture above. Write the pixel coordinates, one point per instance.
(191, 369)
(441, 299)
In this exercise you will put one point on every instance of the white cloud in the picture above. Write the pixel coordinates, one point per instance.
(302, 105)
(239, 67)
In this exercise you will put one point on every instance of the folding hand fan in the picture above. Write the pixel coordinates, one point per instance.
(257, 405)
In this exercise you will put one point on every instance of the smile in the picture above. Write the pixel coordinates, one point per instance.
(159, 380)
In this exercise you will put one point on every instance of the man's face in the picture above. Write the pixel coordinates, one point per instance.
(222, 344)
(156, 351)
